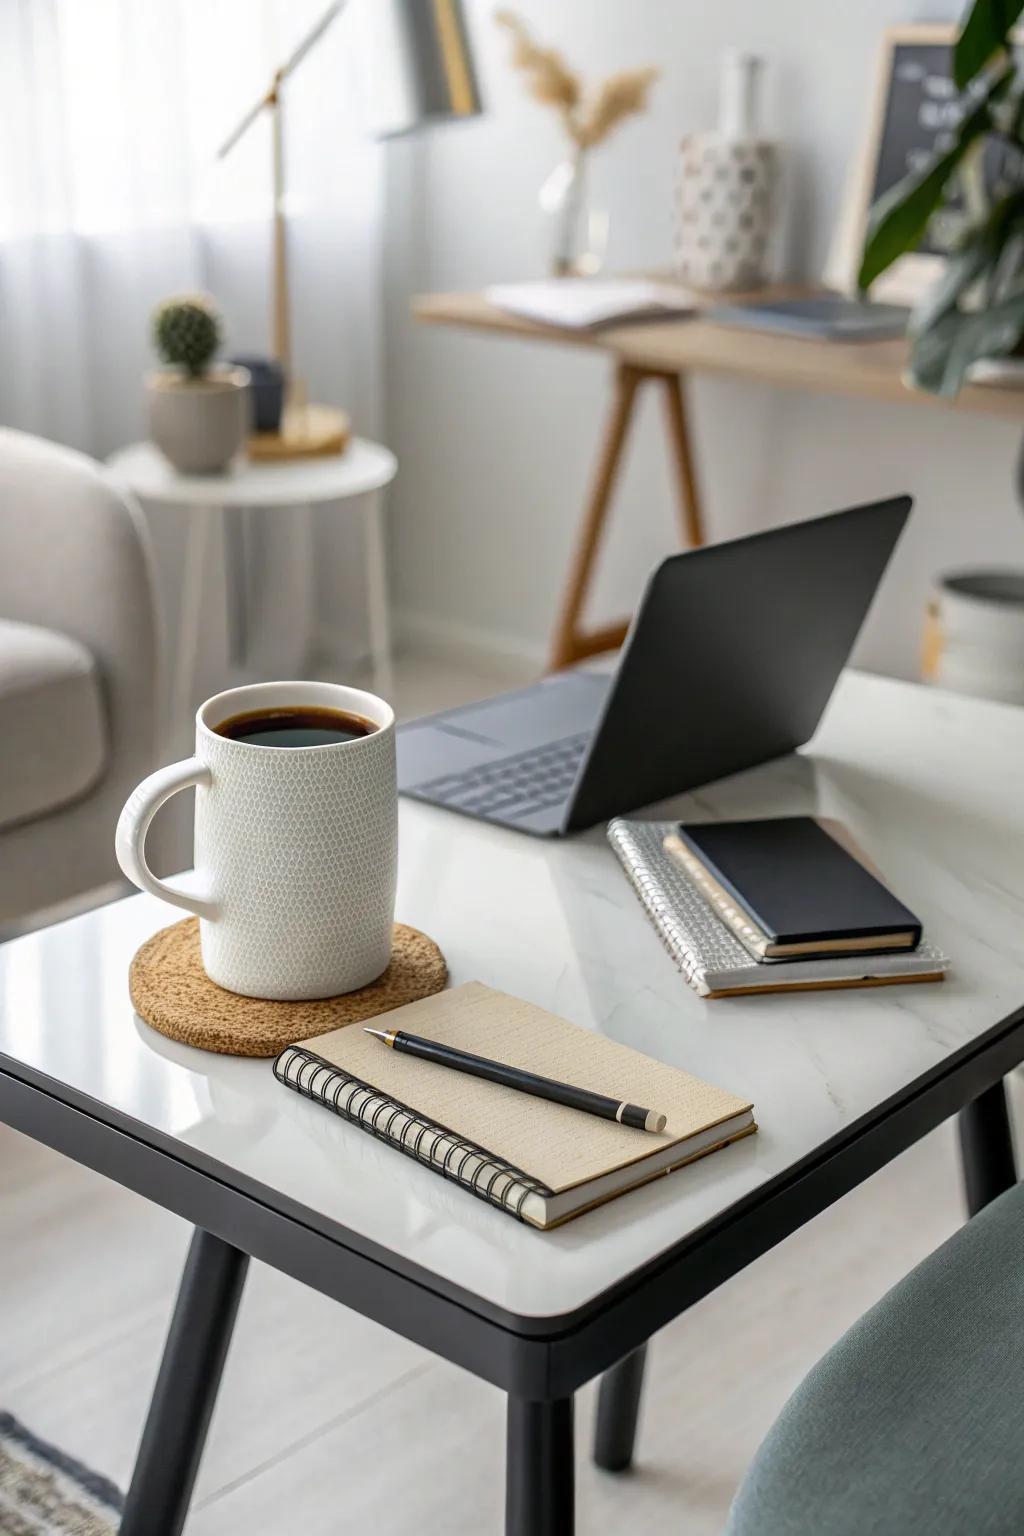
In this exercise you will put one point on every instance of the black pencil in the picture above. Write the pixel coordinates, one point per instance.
(599, 1104)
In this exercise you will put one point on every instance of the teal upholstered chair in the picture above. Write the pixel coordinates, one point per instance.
(913, 1424)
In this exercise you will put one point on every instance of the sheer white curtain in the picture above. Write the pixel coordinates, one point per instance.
(111, 199)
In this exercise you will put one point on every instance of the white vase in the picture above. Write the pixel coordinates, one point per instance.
(579, 231)
(199, 423)
(974, 634)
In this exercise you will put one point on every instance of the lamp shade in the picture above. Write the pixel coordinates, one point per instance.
(421, 66)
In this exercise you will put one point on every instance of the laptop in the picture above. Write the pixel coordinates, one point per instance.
(729, 662)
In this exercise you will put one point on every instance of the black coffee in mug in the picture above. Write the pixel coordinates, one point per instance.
(301, 726)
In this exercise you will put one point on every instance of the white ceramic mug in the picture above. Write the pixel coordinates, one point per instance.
(295, 847)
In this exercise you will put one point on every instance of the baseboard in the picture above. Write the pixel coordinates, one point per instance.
(450, 638)
(426, 634)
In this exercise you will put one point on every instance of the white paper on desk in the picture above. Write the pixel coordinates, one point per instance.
(579, 303)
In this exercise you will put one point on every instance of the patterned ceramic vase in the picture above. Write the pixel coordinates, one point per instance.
(296, 847)
(725, 208)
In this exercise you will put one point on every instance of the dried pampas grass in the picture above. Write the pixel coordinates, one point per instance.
(621, 95)
(588, 120)
(549, 78)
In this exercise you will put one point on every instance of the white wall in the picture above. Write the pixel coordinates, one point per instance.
(495, 438)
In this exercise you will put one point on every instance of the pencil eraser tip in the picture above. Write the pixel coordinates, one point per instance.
(655, 1122)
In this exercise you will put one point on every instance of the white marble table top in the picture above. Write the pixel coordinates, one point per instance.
(364, 466)
(931, 785)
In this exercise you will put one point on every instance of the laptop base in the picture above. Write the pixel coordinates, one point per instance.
(513, 759)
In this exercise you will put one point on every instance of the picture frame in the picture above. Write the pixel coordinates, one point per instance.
(910, 276)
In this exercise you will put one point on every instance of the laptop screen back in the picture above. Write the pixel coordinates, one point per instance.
(732, 657)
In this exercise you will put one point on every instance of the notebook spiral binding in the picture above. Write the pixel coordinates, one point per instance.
(471, 1167)
(635, 859)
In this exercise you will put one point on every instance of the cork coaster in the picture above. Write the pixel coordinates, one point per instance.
(173, 994)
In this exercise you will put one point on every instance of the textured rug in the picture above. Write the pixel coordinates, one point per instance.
(43, 1492)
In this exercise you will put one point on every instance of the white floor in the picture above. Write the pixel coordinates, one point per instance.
(316, 1400)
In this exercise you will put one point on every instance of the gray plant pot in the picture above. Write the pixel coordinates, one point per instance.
(199, 424)
(974, 637)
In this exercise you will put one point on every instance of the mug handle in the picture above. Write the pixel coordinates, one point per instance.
(133, 824)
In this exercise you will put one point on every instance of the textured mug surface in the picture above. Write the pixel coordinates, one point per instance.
(295, 847)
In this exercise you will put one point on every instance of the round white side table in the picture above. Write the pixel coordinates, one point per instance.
(291, 485)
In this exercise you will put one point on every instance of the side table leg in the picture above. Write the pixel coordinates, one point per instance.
(190, 613)
(237, 540)
(305, 535)
(186, 1388)
(378, 611)
(986, 1148)
(618, 1407)
(539, 1469)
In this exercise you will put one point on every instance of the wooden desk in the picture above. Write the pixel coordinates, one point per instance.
(662, 354)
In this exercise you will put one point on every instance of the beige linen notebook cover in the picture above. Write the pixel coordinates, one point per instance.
(539, 1161)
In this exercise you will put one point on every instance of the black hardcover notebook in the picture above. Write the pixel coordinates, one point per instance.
(801, 888)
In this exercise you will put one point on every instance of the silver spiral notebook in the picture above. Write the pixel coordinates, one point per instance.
(712, 959)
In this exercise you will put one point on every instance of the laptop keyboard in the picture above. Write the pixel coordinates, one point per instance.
(513, 786)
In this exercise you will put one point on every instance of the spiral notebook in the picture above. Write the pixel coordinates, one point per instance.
(541, 1162)
(710, 954)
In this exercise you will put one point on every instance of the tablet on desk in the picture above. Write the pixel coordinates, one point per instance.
(828, 315)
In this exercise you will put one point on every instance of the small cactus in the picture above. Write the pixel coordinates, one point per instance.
(187, 333)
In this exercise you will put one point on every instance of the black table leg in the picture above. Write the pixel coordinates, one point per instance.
(986, 1148)
(539, 1470)
(186, 1388)
(618, 1405)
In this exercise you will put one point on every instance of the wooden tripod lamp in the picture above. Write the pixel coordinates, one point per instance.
(423, 73)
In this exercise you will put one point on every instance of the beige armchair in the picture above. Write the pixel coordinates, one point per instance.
(78, 672)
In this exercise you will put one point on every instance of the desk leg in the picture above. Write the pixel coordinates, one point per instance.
(986, 1148)
(569, 644)
(186, 1388)
(691, 520)
(618, 1406)
(539, 1469)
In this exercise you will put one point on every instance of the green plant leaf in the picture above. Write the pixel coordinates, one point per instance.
(942, 355)
(930, 352)
(959, 274)
(900, 217)
(984, 32)
(978, 254)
